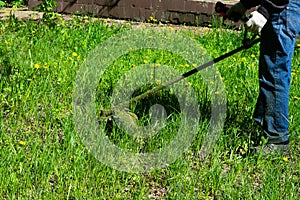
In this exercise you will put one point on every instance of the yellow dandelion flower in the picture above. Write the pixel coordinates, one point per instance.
(45, 66)
(252, 65)
(145, 61)
(298, 45)
(152, 19)
(206, 29)
(22, 143)
(253, 56)
(171, 28)
(244, 59)
(158, 81)
(37, 66)
(296, 98)
(194, 65)
(186, 65)
(285, 159)
(74, 54)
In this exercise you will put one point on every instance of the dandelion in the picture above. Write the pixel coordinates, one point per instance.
(252, 65)
(186, 65)
(22, 143)
(298, 45)
(244, 59)
(296, 98)
(37, 66)
(171, 28)
(74, 54)
(194, 65)
(152, 19)
(158, 81)
(253, 56)
(45, 66)
(285, 159)
(145, 61)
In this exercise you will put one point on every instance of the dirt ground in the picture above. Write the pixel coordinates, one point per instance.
(21, 13)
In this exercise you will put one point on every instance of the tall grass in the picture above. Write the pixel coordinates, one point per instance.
(42, 157)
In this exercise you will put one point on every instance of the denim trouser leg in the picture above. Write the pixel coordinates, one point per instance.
(278, 39)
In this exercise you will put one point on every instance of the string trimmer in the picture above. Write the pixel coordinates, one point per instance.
(247, 43)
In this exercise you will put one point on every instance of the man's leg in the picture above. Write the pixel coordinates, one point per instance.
(277, 46)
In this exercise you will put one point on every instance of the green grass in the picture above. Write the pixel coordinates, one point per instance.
(42, 156)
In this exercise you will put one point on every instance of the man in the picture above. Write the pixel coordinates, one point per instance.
(278, 23)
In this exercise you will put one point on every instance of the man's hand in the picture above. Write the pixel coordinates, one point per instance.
(236, 12)
(256, 22)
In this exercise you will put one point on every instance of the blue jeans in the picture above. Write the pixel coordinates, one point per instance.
(278, 38)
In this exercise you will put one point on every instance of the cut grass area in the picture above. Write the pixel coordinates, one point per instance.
(42, 157)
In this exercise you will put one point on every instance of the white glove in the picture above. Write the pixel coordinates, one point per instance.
(256, 22)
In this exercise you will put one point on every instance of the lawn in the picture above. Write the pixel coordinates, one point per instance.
(46, 151)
